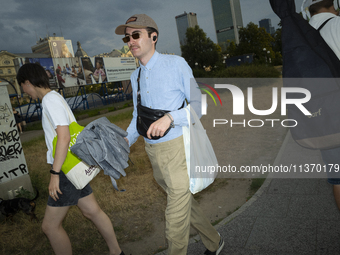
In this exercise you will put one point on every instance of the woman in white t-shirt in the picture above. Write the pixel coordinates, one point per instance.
(34, 81)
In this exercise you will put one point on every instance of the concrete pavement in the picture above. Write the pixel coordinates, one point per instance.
(285, 216)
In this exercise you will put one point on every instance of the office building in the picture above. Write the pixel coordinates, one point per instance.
(267, 24)
(228, 20)
(183, 22)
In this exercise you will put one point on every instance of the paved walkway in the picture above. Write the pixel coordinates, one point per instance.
(285, 216)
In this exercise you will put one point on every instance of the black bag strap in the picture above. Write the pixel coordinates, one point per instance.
(323, 24)
(138, 91)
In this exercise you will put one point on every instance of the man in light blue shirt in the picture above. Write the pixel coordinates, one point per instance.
(165, 82)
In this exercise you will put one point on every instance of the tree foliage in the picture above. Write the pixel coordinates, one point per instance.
(200, 49)
(253, 40)
(257, 41)
(277, 40)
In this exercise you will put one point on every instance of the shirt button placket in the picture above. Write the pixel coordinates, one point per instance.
(147, 82)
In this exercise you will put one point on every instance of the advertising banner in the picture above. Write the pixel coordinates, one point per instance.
(61, 49)
(72, 72)
(119, 69)
(98, 70)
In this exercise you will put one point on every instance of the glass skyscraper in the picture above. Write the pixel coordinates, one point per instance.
(183, 22)
(267, 24)
(228, 21)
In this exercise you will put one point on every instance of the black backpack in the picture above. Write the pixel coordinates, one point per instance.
(306, 55)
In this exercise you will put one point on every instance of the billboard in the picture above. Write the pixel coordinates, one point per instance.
(119, 69)
(46, 63)
(71, 72)
(61, 49)
(98, 70)
(68, 72)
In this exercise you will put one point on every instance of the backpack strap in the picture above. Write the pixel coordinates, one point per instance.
(323, 24)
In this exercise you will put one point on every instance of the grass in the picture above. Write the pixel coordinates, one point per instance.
(96, 111)
(160, 249)
(36, 125)
(256, 184)
(216, 222)
(217, 184)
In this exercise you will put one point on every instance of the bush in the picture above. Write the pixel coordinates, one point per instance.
(201, 73)
(243, 71)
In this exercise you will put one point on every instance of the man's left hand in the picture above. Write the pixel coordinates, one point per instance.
(159, 127)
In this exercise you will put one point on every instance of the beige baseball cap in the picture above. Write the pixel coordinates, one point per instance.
(137, 21)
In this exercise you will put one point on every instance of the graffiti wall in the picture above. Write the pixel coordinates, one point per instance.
(12, 159)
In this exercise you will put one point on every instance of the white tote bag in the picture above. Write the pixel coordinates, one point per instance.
(76, 170)
(200, 155)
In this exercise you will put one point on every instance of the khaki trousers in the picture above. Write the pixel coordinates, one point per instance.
(170, 171)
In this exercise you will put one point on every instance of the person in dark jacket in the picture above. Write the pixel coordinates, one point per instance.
(321, 12)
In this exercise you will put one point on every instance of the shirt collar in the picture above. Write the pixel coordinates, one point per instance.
(320, 17)
(151, 62)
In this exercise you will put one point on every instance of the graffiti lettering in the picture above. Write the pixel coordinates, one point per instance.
(10, 152)
(11, 136)
(5, 112)
(15, 171)
(4, 116)
(4, 108)
(22, 168)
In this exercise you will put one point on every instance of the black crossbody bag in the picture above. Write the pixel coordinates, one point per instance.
(146, 116)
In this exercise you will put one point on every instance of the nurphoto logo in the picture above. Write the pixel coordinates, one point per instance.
(238, 104)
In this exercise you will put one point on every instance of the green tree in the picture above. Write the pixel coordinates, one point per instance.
(277, 40)
(254, 40)
(231, 49)
(200, 49)
(277, 47)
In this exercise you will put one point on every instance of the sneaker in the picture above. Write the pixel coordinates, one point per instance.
(220, 247)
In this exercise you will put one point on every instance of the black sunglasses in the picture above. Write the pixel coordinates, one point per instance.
(135, 36)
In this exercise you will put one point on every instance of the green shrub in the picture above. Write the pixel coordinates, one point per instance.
(243, 71)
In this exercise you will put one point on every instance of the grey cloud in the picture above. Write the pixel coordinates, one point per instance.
(20, 30)
(93, 22)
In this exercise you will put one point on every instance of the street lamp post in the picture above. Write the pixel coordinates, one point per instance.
(269, 58)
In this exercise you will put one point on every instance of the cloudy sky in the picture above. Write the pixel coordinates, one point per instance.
(93, 22)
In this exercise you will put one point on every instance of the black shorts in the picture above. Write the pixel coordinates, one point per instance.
(70, 195)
